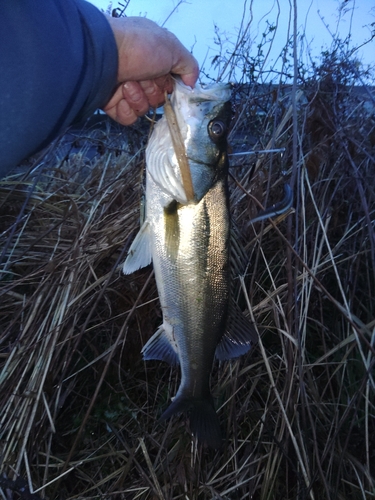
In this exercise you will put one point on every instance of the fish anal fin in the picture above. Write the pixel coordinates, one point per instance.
(140, 252)
(240, 336)
(161, 346)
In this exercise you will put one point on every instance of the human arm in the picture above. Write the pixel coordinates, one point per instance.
(58, 63)
(61, 60)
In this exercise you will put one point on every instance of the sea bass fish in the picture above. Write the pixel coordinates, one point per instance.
(188, 242)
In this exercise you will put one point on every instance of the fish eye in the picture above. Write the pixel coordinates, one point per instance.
(216, 129)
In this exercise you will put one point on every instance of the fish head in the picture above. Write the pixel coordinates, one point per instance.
(203, 115)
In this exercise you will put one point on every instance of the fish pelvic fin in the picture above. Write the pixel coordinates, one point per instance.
(140, 252)
(240, 335)
(203, 420)
(162, 346)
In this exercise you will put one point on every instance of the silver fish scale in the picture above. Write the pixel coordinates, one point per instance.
(191, 262)
(190, 259)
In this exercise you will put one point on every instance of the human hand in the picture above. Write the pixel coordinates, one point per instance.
(148, 55)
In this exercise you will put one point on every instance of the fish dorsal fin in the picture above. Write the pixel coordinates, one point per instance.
(162, 346)
(240, 335)
(140, 252)
(164, 168)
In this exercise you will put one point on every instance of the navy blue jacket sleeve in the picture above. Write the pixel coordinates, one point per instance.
(58, 63)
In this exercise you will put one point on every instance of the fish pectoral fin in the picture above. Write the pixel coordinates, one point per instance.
(240, 336)
(161, 346)
(139, 254)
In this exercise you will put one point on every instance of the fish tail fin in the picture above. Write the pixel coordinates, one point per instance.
(203, 419)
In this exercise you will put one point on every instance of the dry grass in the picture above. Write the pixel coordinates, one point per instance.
(79, 408)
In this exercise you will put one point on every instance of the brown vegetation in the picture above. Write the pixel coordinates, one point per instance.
(79, 407)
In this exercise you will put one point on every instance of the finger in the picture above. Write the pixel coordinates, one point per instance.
(136, 98)
(188, 74)
(165, 83)
(190, 79)
(125, 114)
(185, 65)
(116, 98)
(154, 91)
(119, 110)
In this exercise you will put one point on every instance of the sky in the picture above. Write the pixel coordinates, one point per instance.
(193, 23)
